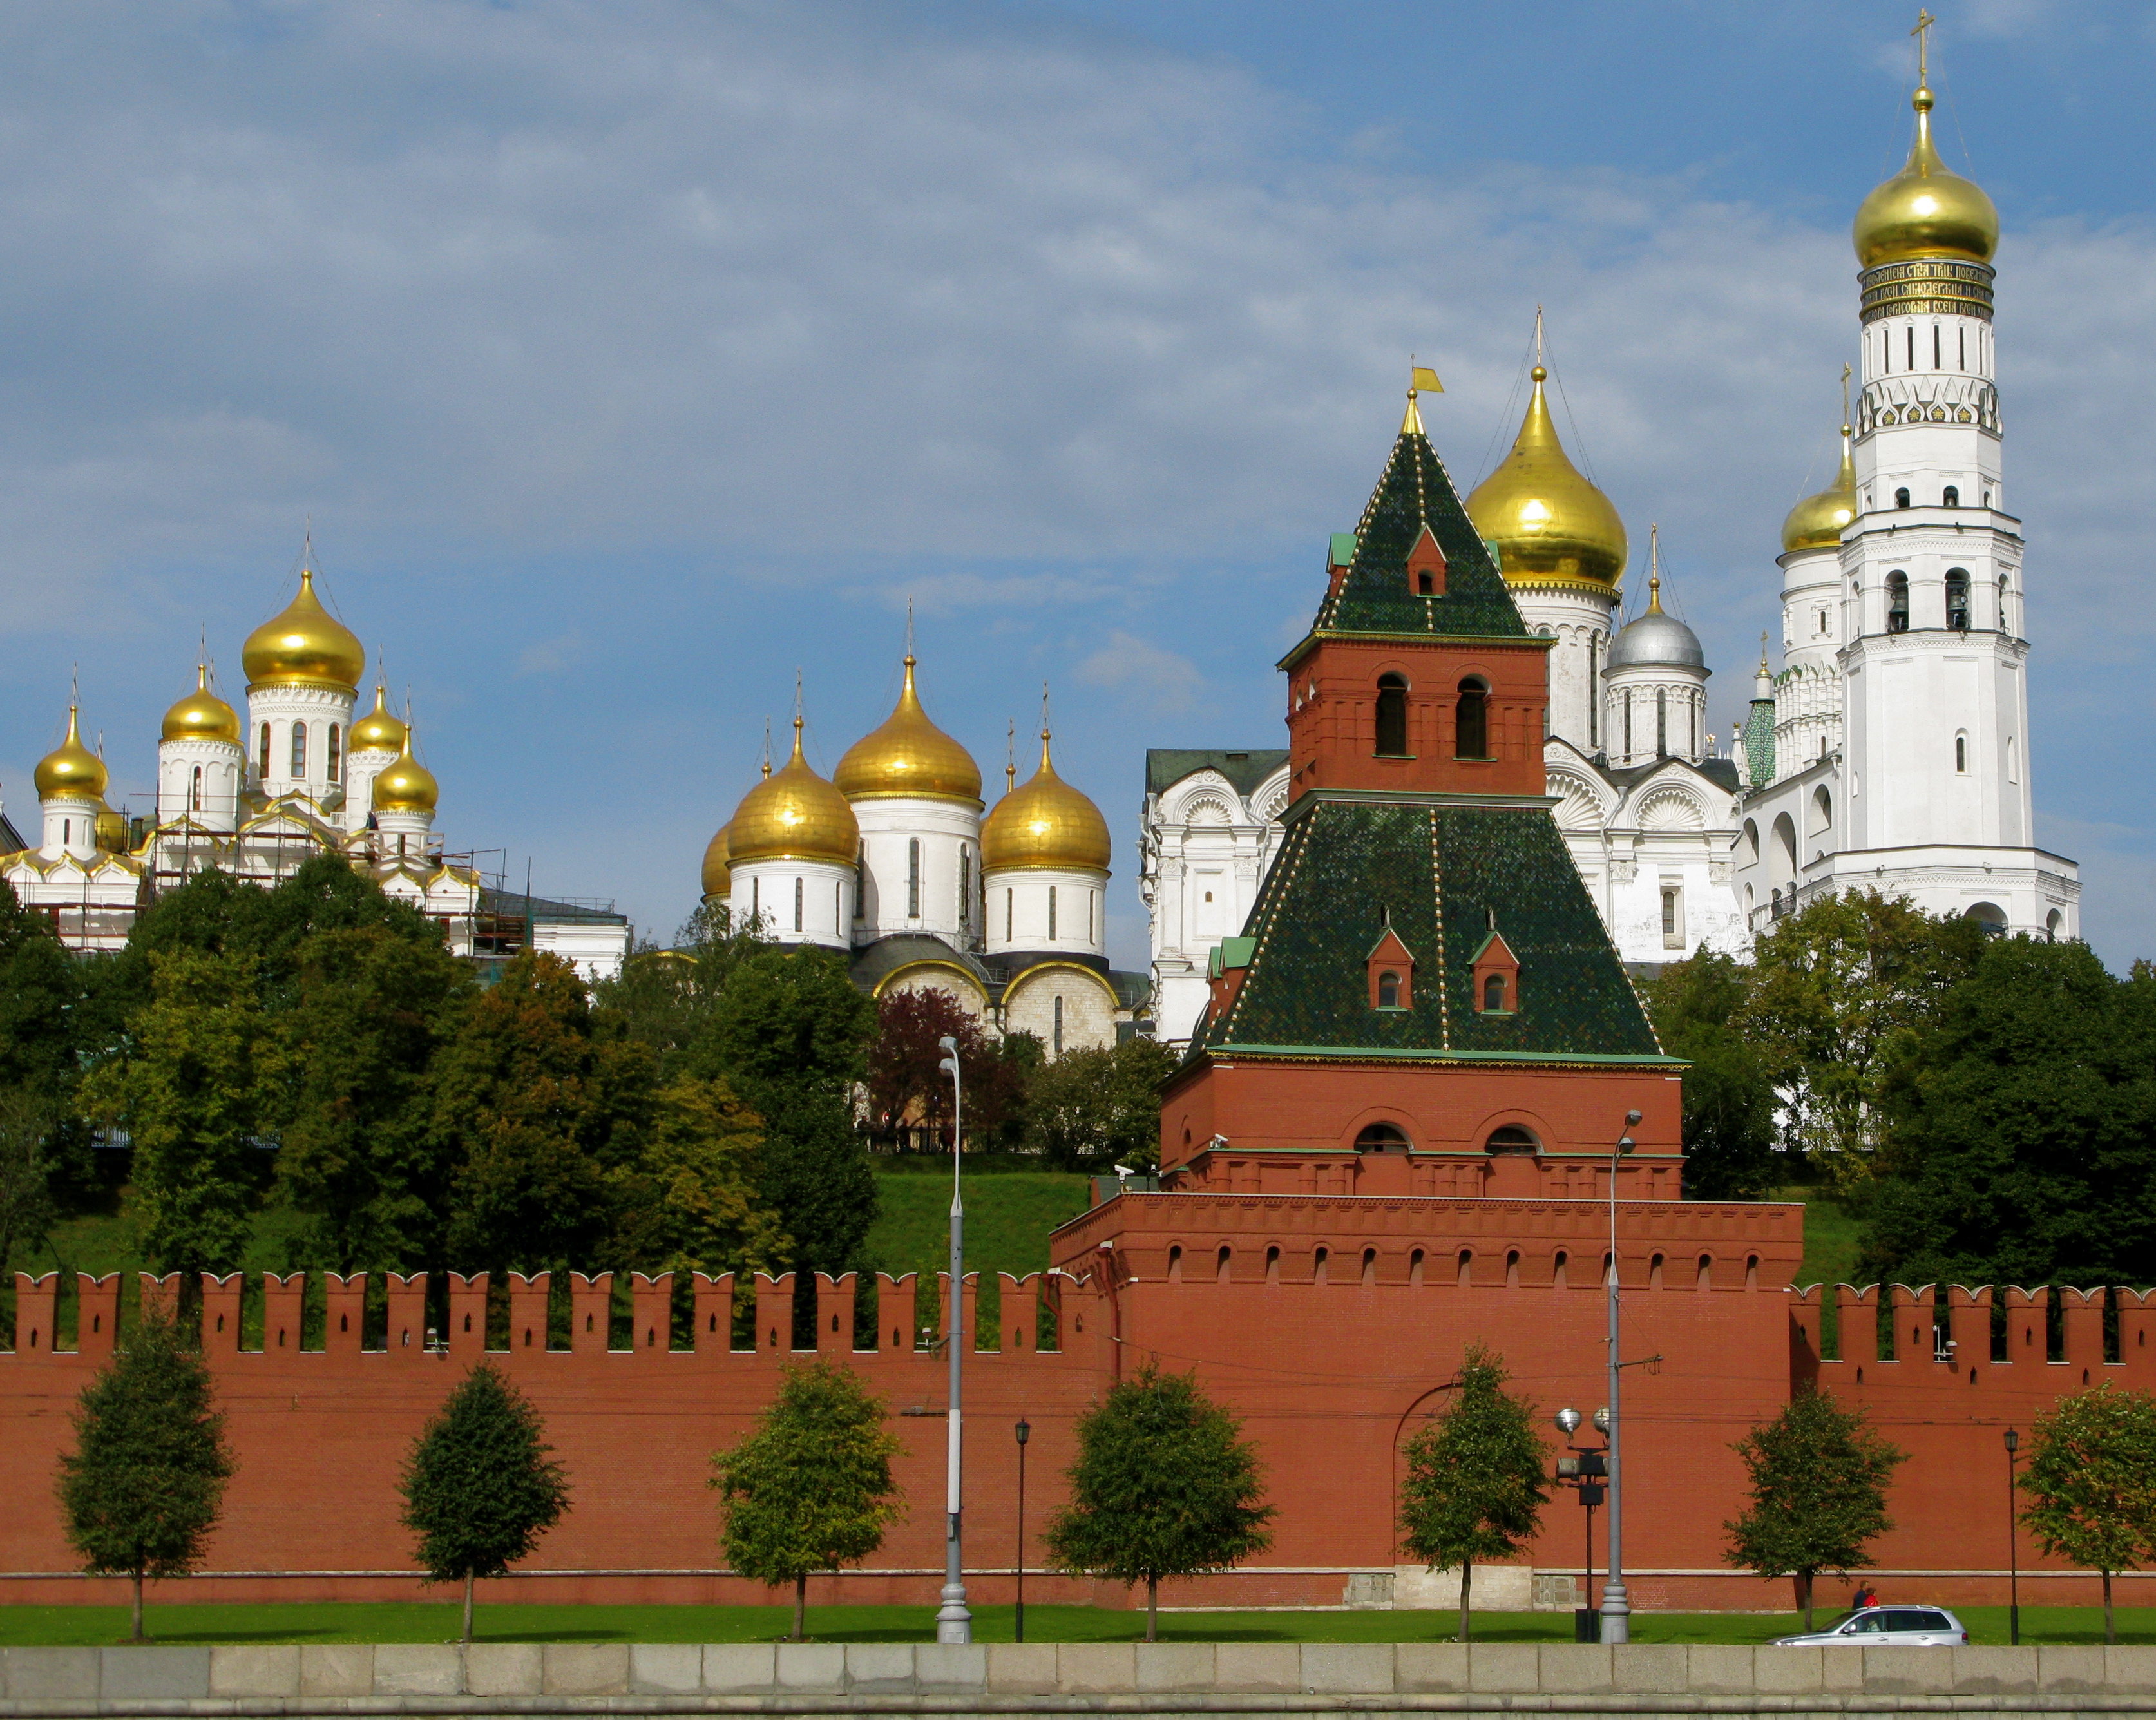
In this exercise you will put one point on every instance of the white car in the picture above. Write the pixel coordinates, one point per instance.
(1885, 1627)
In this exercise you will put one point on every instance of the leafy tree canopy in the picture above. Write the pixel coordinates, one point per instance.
(1818, 1477)
(1094, 1108)
(693, 1205)
(480, 1483)
(1475, 1487)
(2091, 1479)
(906, 1083)
(1728, 1099)
(1164, 1485)
(141, 1488)
(2020, 1145)
(811, 1489)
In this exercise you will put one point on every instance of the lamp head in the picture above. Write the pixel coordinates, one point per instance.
(949, 1066)
(2013, 1441)
(1601, 1420)
(1024, 1431)
(1625, 1143)
(1567, 1422)
(1631, 1119)
(948, 1043)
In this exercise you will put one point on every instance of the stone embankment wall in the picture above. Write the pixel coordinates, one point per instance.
(1369, 1679)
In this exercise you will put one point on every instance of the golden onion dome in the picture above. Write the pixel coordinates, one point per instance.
(718, 878)
(71, 771)
(1045, 825)
(380, 730)
(1816, 522)
(908, 756)
(202, 715)
(304, 644)
(1541, 516)
(793, 814)
(407, 785)
(1925, 211)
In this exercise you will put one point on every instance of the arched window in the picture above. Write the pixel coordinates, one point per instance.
(194, 803)
(299, 749)
(1512, 1138)
(1898, 601)
(1051, 913)
(1957, 599)
(262, 769)
(2054, 923)
(1471, 721)
(796, 905)
(1661, 721)
(861, 880)
(1493, 994)
(1961, 755)
(1382, 1137)
(1007, 915)
(1388, 990)
(913, 878)
(1058, 1023)
(1953, 497)
(2013, 761)
(1392, 716)
(2005, 615)
(1901, 498)
(1822, 810)
(965, 888)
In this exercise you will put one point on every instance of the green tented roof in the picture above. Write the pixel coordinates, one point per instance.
(1438, 872)
(1415, 491)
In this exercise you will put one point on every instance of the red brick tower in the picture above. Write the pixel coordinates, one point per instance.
(1424, 1000)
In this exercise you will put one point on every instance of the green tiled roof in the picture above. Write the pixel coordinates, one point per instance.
(1438, 872)
(1414, 491)
(1167, 766)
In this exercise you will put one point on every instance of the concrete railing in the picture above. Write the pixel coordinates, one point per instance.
(1226, 1678)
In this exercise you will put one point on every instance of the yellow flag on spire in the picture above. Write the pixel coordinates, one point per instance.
(1424, 381)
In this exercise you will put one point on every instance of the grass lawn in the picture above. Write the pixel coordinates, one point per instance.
(21, 1626)
(1009, 1216)
(1830, 1239)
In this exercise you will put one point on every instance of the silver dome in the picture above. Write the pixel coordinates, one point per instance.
(1658, 640)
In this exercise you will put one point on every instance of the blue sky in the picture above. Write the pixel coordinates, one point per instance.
(629, 358)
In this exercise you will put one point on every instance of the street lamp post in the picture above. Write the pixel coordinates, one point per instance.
(954, 1623)
(1616, 1605)
(1024, 1431)
(1586, 1471)
(2013, 1548)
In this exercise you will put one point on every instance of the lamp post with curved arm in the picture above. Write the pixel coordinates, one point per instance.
(954, 1621)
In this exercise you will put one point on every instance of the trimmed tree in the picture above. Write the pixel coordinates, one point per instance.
(1818, 1479)
(811, 1488)
(1475, 1487)
(141, 1489)
(1164, 1485)
(2090, 1481)
(480, 1485)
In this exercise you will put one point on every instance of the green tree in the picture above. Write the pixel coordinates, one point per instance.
(371, 1011)
(790, 1033)
(693, 1205)
(1837, 990)
(480, 1486)
(1163, 1486)
(141, 1489)
(2091, 1479)
(1094, 1108)
(2021, 1144)
(543, 1113)
(28, 1122)
(1818, 1477)
(1475, 1486)
(1728, 1100)
(811, 1488)
(665, 999)
(201, 1075)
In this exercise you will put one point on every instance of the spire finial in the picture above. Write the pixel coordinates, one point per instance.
(1421, 379)
(1845, 400)
(1046, 730)
(909, 632)
(1538, 335)
(1654, 569)
(1763, 651)
(1010, 758)
(1922, 32)
(766, 749)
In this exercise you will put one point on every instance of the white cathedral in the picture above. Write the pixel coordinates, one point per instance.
(306, 775)
(1891, 751)
(897, 862)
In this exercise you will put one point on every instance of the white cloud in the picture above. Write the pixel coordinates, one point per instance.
(1160, 681)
